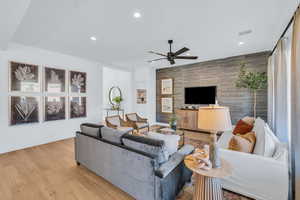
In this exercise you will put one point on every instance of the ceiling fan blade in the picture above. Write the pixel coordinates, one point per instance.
(172, 62)
(181, 51)
(186, 57)
(156, 60)
(160, 54)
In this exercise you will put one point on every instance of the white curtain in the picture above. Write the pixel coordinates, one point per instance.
(278, 80)
(271, 104)
(295, 102)
(281, 91)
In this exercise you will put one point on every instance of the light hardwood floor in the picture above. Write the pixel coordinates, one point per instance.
(49, 172)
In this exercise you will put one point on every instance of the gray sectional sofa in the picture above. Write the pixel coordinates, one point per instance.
(137, 165)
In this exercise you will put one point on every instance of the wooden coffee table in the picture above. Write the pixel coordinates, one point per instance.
(207, 186)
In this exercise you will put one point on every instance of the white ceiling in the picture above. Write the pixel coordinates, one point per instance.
(208, 27)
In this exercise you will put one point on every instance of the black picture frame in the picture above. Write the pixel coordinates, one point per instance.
(54, 108)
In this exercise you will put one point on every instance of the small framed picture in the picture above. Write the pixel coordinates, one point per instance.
(141, 96)
(24, 109)
(24, 77)
(167, 105)
(54, 108)
(77, 82)
(77, 107)
(167, 86)
(54, 80)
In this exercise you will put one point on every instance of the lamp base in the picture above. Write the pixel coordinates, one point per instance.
(214, 152)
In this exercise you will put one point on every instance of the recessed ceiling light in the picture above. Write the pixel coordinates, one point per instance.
(241, 43)
(93, 38)
(137, 15)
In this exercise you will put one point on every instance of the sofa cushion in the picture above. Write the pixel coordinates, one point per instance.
(242, 127)
(148, 145)
(91, 129)
(112, 135)
(243, 143)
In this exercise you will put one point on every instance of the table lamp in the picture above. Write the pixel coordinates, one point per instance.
(214, 119)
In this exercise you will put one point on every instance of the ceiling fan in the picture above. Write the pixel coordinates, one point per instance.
(171, 56)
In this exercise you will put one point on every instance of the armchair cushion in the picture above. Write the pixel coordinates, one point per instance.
(114, 121)
(141, 125)
(132, 117)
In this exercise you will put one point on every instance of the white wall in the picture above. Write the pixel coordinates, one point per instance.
(145, 78)
(123, 80)
(21, 136)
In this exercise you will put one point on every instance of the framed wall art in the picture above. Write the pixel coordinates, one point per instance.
(77, 107)
(54, 80)
(24, 77)
(77, 82)
(141, 96)
(167, 105)
(23, 109)
(167, 86)
(54, 108)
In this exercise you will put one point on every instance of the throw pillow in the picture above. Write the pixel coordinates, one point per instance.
(242, 128)
(93, 130)
(249, 120)
(270, 142)
(259, 129)
(243, 143)
(112, 135)
(148, 145)
(171, 141)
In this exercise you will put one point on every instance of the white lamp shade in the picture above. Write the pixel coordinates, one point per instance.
(214, 118)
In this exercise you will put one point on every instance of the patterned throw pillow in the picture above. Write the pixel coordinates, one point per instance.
(242, 128)
(243, 143)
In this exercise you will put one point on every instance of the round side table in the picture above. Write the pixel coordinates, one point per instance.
(207, 183)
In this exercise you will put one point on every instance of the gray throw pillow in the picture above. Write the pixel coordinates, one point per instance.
(148, 145)
(112, 135)
(91, 129)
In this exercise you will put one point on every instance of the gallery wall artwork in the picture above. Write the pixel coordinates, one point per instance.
(141, 96)
(77, 82)
(167, 105)
(54, 80)
(77, 107)
(25, 86)
(54, 108)
(167, 86)
(24, 110)
(24, 77)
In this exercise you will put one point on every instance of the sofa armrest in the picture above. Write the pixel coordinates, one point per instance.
(173, 161)
(256, 176)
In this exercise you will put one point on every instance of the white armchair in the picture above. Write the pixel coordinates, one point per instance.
(255, 176)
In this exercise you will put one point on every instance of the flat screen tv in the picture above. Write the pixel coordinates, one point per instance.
(200, 95)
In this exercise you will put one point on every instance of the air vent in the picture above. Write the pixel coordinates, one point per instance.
(246, 32)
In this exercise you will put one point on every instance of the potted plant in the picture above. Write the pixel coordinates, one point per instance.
(173, 121)
(117, 100)
(253, 81)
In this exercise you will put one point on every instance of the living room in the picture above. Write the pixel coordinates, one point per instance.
(149, 100)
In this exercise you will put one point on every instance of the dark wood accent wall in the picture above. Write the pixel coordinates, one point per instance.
(221, 73)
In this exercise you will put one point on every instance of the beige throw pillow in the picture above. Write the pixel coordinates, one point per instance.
(243, 143)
